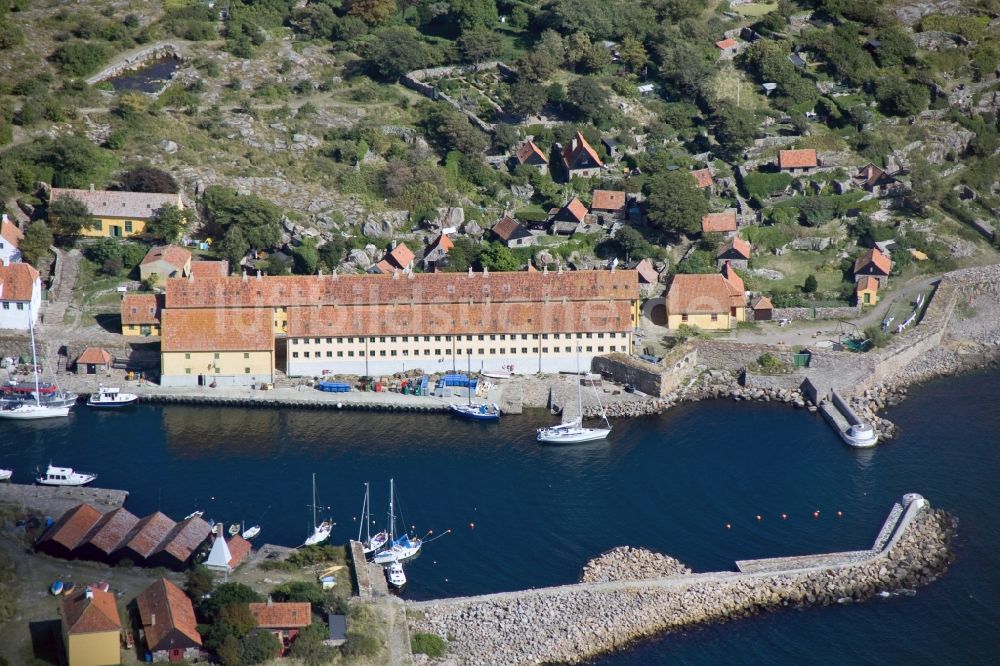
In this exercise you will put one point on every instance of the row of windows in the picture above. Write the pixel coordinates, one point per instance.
(215, 355)
(715, 317)
(447, 352)
(99, 225)
(468, 338)
(20, 306)
(246, 371)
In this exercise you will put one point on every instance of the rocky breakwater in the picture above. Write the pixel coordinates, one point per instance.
(627, 563)
(572, 623)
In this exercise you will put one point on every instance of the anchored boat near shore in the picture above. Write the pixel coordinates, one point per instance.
(64, 476)
(860, 435)
(111, 398)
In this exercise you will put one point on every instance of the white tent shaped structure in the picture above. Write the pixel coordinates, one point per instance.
(219, 556)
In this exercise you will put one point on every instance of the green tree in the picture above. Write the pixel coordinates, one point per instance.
(80, 58)
(233, 246)
(675, 203)
(810, 285)
(633, 244)
(315, 21)
(305, 257)
(698, 261)
(926, 187)
(36, 243)
(75, 161)
(238, 617)
(469, 14)
(633, 54)
(479, 44)
(278, 265)
(167, 223)
(299, 590)
(498, 257)
(147, 179)
(589, 98)
(10, 35)
(898, 97)
(229, 651)
(451, 130)
(430, 644)
(225, 594)
(734, 130)
(258, 647)
(69, 216)
(396, 51)
(200, 581)
(332, 253)
(526, 98)
(371, 12)
(463, 255)
(309, 647)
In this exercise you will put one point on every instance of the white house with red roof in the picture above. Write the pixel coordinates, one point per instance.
(10, 241)
(20, 296)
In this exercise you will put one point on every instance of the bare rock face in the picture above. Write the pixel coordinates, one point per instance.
(384, 224)
(360, 259)
(627, 563)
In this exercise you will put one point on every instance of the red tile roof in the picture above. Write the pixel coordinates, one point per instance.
(875, 258)
(727, 43)
(202, 268)
(282, 615)
(867, 283)
(105, 203)
(400, 256)
(71, 528)
(646, 272)
(239, 550)
(762, 303)
(443, 241)
(83, 614)
(797, 159)
(608, 200)
(576, 209)
(509, 229)
(163, 608)
(578, 154)
(698, 294)
(740, 246)
(460, 318)
(174, 255)
(205, 329)
(149, 533)
(703, 177)
(383, 267)
(737, 291)
(109, 533)
(282, 291)
(141, 309)
(184, 539)
(529, 151)
(718, 222)
(10, 232)
(17, 282)
(95, 356)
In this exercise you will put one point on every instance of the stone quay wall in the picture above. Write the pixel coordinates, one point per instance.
(655, 379)
(843, 312)
(572, 623)
(790, 382)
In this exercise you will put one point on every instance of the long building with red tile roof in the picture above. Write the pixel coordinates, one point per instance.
(170, 629)
(379, 324)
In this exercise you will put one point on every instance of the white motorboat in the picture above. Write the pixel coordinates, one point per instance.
(574, 432)
(194, 514)
(64, 476)
(322, 531)
(860, 435)
(370, 543)
(395, 575)
(251, 532)
(111, 398)
(5, 474)
(399, 548)
(30, 411)
(234, 529)
(497, 374)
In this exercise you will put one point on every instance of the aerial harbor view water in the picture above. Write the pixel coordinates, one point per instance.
(499, 332)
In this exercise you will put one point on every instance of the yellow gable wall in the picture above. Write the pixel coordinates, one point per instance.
(703, 321)
(217, 363)
(94, 649)
(136, 329)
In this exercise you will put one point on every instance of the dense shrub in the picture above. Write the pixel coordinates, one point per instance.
(760, 185)
(430, 644)
(80, 58)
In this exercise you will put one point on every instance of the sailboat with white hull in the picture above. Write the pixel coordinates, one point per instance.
(370, 544)
(322, 531)
(574, 432)
(401, 548)
(29, 411)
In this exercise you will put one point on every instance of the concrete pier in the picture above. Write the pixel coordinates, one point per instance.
(54, 501)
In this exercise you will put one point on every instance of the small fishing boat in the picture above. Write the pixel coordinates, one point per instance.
(322, 531)
(64, 476)
(860, 435)
(395, 575)
(497, 374)
(68, 588)
(111, 398)
(195, 514)
(401, 548)
(234, 529)
(56, 588)
(251, 532)
(370, 544)
(473, 411)
(5, 474)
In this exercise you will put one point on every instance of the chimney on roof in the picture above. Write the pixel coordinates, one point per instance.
(89, 593)
(486, 271)
(393, 245)
(333, 274)
(152, 619)
(258, 274)
(244, 276)
(190, 277)
(470, 271)
(574, 143)
(319, 272)
(91, 187)
(5, 218)
(270, 601)
(545, 269)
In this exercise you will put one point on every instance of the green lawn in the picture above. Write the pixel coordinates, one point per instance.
(756, 9)
(796, 265)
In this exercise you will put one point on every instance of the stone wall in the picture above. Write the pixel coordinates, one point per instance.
(845, 312)
(655, 379)
(137, 60)
(415, 80)
(790, 381)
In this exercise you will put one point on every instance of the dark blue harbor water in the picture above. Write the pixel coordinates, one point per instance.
(525, 516)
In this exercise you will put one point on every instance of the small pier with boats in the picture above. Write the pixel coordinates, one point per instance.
(56, 500)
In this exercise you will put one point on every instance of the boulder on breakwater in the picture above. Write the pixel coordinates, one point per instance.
(627, 563)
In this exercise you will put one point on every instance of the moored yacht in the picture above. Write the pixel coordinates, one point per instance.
(111, 398)
(571, 433)
(860, 435)
(5, 474)
(395, 575)
(64, 476)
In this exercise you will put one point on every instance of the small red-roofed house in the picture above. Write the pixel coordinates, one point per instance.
(866, 290)
(10, 241)
(797, 161)
(284, 619)
(531, 155)
(20, 296)
(608, 204)
(736, 251)
(169, 627)
(400, 257)
(510, 232)
(91, 628)
(719, 223)
(728, 48)
(94, 360)
(703, 178)
(762, 308)
(873, 263)
(580, 159)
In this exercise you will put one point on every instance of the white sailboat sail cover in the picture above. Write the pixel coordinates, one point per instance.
(219, 556)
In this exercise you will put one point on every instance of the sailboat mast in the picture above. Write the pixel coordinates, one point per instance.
(34, 358)
(469, 385)
(579, 387)
(364, 515)
(392, 516)
(314, 500)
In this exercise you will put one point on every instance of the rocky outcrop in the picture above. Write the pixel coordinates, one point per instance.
(626, 563)
(573, 623)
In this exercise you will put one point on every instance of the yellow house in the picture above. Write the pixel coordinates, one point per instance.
(706, 301)
(91, 628)
(221, 346)
(867, 291)
(118, 214)
(141, 314)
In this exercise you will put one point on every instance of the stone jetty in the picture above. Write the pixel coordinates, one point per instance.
(54, 501)
(627, 563)
(574, 622)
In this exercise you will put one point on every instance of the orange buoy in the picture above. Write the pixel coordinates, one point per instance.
(784, 516)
